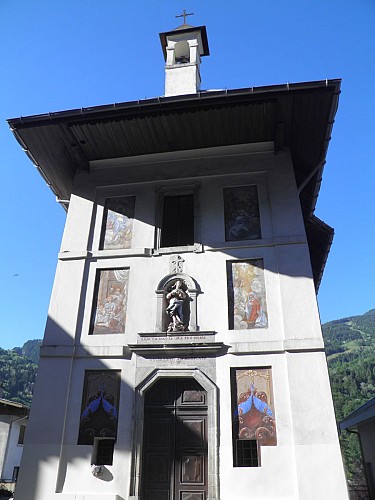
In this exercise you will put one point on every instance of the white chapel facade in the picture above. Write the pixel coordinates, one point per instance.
(183, 356)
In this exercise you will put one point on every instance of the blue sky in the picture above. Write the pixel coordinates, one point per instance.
(65, 54)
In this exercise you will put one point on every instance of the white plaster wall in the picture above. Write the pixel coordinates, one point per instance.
(75, 469)
(318, 458)
(306, 461)
(4, 432)
(14, 450)
(180, 80)
(276, 478)
(53, 462)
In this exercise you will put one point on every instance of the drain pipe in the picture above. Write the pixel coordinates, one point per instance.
(369, 489)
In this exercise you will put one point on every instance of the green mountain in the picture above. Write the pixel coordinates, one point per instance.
(18, 368)
(350, 350)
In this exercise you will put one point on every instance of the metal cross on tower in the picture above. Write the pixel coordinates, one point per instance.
(184, 15)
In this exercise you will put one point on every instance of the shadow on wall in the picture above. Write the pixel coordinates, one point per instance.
(99, 400)
(100, 405)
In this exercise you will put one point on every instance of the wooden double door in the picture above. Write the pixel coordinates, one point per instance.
(174, 464)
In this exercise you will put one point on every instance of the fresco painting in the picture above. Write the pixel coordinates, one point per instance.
(247, 306)
(241, 213)
(254, 416)
(100, 400)
(118, 227)
(111, 298)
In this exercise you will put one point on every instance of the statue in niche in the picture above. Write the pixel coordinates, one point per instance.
(176, 298)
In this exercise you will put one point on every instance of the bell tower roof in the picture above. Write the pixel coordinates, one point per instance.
(186, 28)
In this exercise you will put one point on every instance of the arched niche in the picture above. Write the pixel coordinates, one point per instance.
(191, 288)
(212, 434)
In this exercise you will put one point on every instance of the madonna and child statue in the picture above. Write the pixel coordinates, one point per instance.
(176, 298)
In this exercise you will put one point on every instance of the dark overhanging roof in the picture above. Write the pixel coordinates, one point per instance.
(185, 28)
(11, 407)
(297, 116)
(359, 416)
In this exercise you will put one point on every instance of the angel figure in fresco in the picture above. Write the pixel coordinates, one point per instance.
(176, 297)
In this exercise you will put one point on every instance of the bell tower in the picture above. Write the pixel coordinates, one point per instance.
(183, 48)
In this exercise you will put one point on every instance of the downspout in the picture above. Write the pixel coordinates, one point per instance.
(369, 490)
(309, 177)
(60, 469)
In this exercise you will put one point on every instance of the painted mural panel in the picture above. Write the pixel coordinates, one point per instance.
(118, 223)
(254, 416)
(100, 401)
(247, 306)
(241, 213)
(109, 313)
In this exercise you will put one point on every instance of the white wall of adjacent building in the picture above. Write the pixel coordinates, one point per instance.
(10, 449)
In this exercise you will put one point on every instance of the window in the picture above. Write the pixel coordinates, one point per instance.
(103, 451)
(246, 453)
(15, 473)
(21, 435)
(177, 227)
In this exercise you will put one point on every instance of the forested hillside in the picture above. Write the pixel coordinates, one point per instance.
(18, 369)
(350, 348)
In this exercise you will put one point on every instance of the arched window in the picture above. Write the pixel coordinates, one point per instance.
(182, 53)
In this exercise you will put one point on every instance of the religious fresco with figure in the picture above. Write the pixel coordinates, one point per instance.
(253, 410)
(111, 295)
(100, 401)
(241, 213)
(247, 306)
(117, 231)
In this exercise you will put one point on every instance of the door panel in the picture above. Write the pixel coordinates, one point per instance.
(174, 465)
(192, 432)
(157, 495)
(157, 463)
(192, 469)
(186, 495)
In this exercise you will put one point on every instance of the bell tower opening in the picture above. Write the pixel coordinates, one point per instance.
(182, 53)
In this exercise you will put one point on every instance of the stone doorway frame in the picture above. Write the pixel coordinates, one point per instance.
(212, 427)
